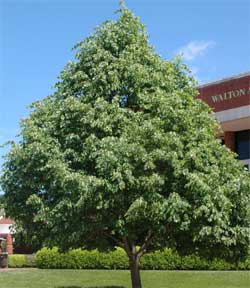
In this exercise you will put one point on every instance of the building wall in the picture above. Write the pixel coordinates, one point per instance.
(229, 98)
(5, 232)
(227, 93)
(5, 228)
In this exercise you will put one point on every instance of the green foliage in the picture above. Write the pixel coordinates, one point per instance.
(124, 154)
(21, 261)
(2, 213)
(194, 262)
(49, 258)
(117, 259)
(244, 265)
(3, 246)
(24, 239)
(161, 260)
(81, 259)
(219, 264)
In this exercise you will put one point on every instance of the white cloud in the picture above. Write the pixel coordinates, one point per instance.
(194, 49)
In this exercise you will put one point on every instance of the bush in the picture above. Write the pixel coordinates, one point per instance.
(49, 258)
(218, 264)
(81, 259)
(244, 265)
(166, 259)
(113, 260)
(193, 262)
(21, 261)
(161, 260)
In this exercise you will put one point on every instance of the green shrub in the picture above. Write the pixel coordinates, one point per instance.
(81, 259)
(160, 260)
(193, 262)
(49, 258)
(166, 259)
(218, 264)
(21, 261)
(244, 265)
(113, 260)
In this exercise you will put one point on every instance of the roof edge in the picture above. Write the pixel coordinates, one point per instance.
(241, 75)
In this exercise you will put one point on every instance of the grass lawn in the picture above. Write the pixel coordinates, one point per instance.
(100, 278)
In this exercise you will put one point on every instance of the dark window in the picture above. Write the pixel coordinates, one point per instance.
(242, 141)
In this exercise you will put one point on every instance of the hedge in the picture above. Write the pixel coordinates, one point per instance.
(21, 261)
(160, 260)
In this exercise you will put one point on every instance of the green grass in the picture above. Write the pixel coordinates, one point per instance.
(100, 278)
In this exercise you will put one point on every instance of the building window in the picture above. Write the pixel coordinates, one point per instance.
(242, 144)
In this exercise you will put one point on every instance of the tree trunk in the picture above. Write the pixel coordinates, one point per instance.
(135, 271)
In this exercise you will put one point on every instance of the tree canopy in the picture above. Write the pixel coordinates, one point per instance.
(123, 154)
(1, 206)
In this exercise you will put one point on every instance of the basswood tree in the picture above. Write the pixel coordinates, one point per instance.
(122, 154)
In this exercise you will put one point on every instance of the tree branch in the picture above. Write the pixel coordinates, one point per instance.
(127, 248)
(147, 241)
(117, 241)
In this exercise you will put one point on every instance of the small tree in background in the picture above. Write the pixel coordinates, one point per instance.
(122, 154)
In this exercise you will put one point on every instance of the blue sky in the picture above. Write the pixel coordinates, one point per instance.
(36, 37)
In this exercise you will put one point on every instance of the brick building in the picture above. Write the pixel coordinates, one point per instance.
(5, 232)
(230, 100)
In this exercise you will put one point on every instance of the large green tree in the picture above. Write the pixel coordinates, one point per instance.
(123, 154)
